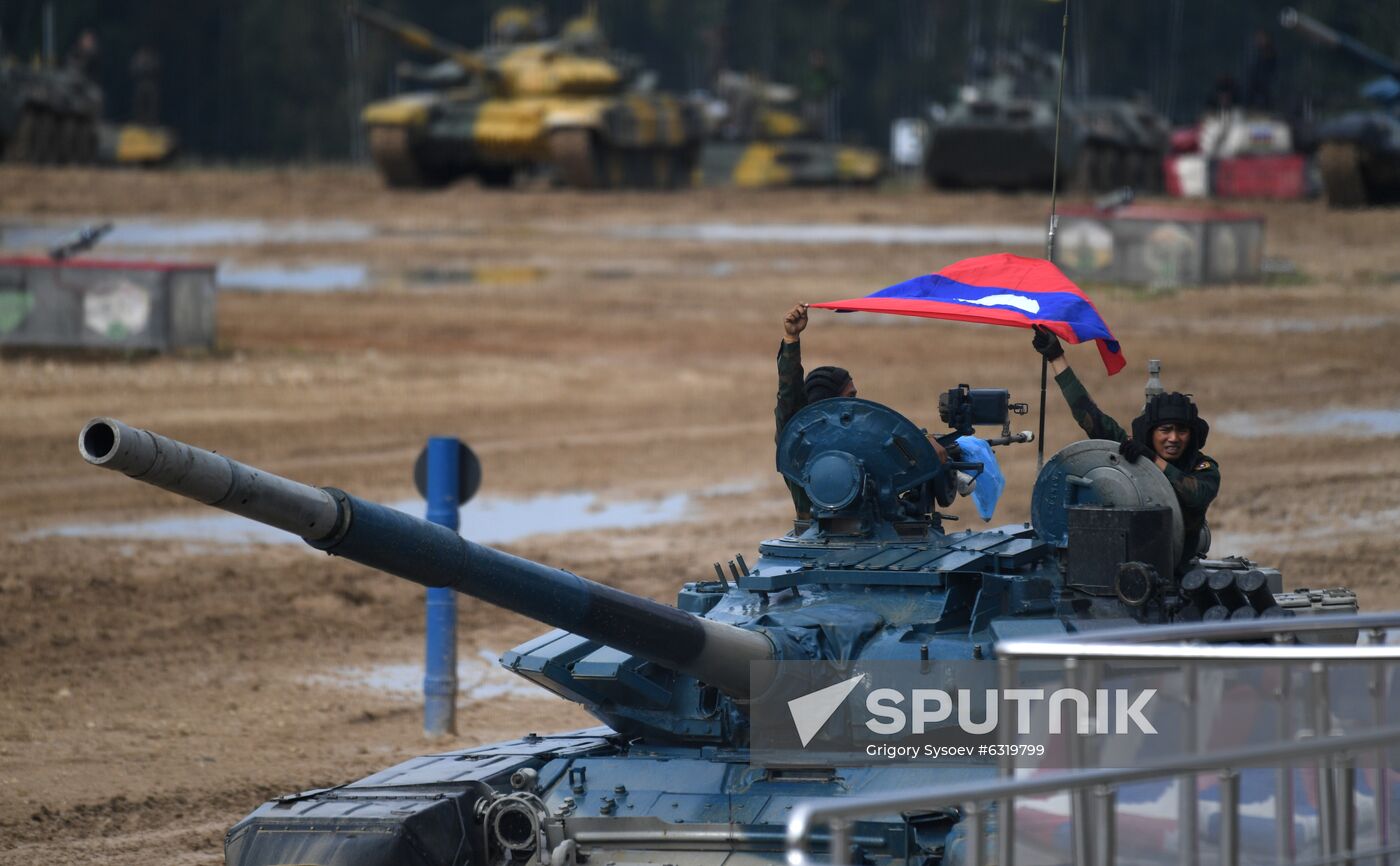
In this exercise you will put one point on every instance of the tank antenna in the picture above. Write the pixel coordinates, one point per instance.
(1054, 189)
(1055, 167)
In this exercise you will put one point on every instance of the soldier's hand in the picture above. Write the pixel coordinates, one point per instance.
(794, 322)
(1134, 450)
(1046, 343)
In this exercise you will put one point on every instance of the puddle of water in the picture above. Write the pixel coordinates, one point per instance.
(1329, 422)
(506, 275)
(329, 277)
(836, 233)
(489, 520)
(478, 678)
(190, 233)
(610, 273)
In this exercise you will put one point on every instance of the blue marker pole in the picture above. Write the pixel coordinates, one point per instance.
(440, 674)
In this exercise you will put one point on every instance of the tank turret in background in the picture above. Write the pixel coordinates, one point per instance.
(1358, 154)
(874, 576)
(568, 104)
(1000, 134)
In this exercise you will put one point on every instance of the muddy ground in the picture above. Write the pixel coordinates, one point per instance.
(154, 691)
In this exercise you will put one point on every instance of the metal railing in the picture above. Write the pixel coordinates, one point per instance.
(1092, 793)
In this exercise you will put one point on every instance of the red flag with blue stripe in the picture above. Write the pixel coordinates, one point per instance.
(1000, 289)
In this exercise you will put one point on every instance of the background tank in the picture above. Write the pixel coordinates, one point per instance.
(1358, 154)
(52, 115)
(48, 115)
(755, 138)
(567, 103)
(874, 576)
(1001, 134)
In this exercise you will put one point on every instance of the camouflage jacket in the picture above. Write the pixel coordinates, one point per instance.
(1195, 477)
(792, 397)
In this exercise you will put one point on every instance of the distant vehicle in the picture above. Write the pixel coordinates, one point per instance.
(51, 115)
(48, 115)
(755, 137)
(1000, 134)
(1358, 153)
(567, 104)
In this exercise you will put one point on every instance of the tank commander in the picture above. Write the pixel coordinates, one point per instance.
(1170, 432)
(795, 390)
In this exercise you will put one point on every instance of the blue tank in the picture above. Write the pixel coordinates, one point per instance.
(1358, 153)
(667, 777)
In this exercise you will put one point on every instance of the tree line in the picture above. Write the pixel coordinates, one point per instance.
(271, 80)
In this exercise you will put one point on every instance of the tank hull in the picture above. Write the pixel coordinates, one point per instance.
(976, 156)
(678, 805)
(632, 141)
(1102, 145)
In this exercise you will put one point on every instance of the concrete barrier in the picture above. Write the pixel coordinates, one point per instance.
(1160, 246)
(113, 304)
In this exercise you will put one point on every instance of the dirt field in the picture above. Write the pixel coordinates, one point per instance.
(154, 691)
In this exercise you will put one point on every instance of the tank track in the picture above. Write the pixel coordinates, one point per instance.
(391, 148)
(584, 161)
(51, 138)
(572, 153)
(1339, 163)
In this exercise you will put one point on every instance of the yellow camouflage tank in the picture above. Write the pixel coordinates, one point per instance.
(567, 105)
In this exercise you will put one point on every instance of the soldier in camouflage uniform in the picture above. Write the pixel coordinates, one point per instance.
(795, 391)
(1169, 431)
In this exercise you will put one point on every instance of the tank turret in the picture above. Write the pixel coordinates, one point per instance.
(563, 71)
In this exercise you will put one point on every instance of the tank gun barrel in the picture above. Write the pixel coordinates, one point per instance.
(418, 38)
(1310, 27)
(425, 553)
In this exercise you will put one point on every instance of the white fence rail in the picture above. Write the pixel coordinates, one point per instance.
(989, 808)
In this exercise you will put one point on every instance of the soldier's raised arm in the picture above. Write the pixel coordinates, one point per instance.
(1087, 414)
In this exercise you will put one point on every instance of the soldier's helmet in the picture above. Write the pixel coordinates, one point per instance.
(823, 383)
(1171, 408)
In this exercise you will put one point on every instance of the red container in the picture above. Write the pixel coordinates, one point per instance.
(1186, 139)
(1277, 177)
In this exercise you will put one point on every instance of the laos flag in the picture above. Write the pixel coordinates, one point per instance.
(1000, 289)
